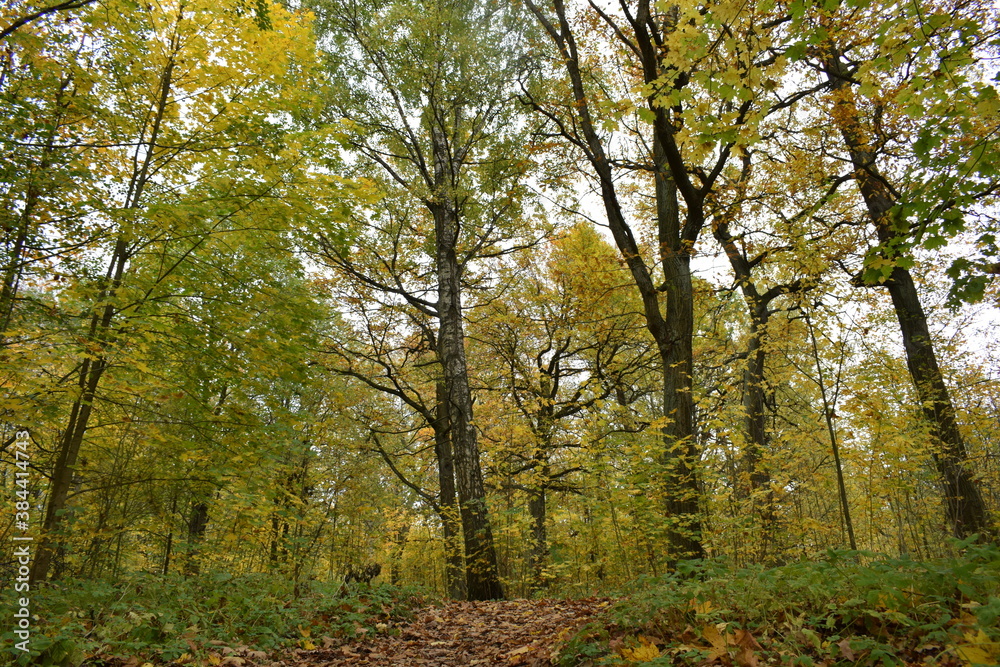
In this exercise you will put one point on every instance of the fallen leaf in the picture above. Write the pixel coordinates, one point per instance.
(973, 655)
(845, 649)
(980, 649)
(745, 656)
(647, 650)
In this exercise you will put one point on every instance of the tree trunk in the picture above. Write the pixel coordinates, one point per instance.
(674, 339)
(542, 429)
(828, 412)
(197, 523)
(673, 332)
(482, 577)
(964, 506)
(758, 479)
(450, 516)
(91, 371)
(95, 363)
(396, 555)
(538, 555)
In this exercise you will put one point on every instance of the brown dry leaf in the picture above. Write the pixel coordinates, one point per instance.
(714, 637)
(745, 656)
(521, 633)
(845, 649)
(520, 656)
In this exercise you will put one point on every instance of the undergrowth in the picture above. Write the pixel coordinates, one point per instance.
(164, 619)
(848, 608)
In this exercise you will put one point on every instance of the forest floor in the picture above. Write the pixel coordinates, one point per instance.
(461, 634)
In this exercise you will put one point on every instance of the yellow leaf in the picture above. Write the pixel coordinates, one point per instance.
(646, 651)
(980, 650)
(714, 637)
(701, 607)
(307, 645)
(973, 655)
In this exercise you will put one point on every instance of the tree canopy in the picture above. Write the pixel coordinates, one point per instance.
(500, 299)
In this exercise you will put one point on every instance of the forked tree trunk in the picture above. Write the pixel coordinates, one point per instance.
(674, 334)
(672, 328)
(758, 480)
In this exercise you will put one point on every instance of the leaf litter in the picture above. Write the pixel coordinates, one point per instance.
(525, 633)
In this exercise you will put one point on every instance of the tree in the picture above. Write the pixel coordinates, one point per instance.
(161, 183)
(692, 93)
(559, 341)
(875, 84)
(33, 14)
(431, 109)
(391, 350)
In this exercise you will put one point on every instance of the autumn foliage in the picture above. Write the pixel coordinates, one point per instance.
(688, 304)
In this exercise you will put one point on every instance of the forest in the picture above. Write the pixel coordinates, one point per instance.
(646, 331)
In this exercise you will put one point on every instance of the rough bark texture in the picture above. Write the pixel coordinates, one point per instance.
(450, 518)
(964, 506)
(482, 574)
(674, 341)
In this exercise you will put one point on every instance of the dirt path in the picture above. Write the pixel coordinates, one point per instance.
(460, 634)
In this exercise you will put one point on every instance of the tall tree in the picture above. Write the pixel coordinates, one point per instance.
(692, 94)
(875, 83)
(557, 343)
(431, 108)
(168, 171)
